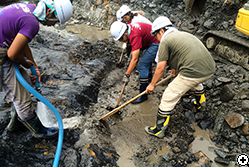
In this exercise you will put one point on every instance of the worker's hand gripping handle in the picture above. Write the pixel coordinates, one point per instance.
(37, 83)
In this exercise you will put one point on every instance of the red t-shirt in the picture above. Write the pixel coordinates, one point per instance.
(140, 36)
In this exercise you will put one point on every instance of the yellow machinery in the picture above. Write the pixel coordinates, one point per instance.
(242, 21)
(232, 47)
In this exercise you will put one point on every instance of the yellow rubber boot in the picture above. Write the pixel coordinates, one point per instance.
(199, 101)
(161, 125)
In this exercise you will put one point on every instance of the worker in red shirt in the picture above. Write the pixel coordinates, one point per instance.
(143, 51)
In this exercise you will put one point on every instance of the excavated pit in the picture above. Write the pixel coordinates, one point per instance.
(91, 82)
(81, 79)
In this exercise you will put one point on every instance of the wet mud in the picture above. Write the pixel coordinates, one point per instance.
(81, 79)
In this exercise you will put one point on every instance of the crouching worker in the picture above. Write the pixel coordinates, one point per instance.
(142, 43)
(189, 59)
(19, 25)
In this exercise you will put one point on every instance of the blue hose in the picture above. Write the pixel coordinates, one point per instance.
(49, 105)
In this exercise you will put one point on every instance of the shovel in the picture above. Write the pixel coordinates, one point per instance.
(119, 63)
(106, 116)
(119, 99)
(46, 116)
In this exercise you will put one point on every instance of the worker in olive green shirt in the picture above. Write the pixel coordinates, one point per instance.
(190, 63)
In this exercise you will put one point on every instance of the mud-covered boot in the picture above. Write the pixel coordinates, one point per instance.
(162, 122)
(14, 123)
(199, 100)
(143, 84)
(35, 126)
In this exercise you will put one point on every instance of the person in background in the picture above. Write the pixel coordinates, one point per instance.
(139, 36)
(191, 64)
(21, 24)
(124, 14)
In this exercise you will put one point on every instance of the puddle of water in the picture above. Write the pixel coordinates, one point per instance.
(156, 157)
(125, 155)
(90, 33)
(203, 143)
(129, 133)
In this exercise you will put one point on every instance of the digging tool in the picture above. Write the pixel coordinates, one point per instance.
(122, 55)
(104, 117)
(119, 98)
(44, 114)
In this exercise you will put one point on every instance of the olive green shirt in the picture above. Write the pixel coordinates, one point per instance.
(186, 54)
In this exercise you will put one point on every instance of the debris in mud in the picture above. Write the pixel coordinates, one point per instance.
(203, 160)
(92, 155)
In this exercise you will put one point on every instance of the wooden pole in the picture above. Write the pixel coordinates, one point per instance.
(104, 117)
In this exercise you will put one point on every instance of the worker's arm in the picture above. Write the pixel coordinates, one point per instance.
(16, 51)
(133, 61)
(29, 55)
(157, 75)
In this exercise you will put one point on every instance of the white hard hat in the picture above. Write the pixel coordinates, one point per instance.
(118, 29)
(160, 22)
(118, 15)
(64, 10)
(123, 10)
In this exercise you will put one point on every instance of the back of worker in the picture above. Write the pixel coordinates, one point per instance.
(17, 18)
(191, 60)
(140, 36)
(190, 63)
(140, 18)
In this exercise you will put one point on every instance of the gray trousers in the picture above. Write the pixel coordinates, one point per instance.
(16, 93)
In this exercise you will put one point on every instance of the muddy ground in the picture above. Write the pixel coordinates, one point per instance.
(81, 79)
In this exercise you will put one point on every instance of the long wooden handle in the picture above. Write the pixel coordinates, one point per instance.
(121, 57)
(121, 94)
(104, 117)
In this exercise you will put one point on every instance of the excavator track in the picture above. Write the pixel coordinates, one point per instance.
(230, 46)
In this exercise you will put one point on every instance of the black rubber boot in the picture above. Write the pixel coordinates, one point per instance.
(14, 123)
(199, 100)
(35, 126)
(161, 125)
(143, 85)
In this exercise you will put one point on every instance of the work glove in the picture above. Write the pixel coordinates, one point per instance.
(126, 79)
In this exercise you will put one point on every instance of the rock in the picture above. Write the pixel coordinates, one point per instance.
(205, 124)
(199, 116)
(243, 97)
(208, 24)
(70, 159)
(176, 149)
(222, 161)
(225, 25)
(227, 93)
(190, 115)
(243, 139)
(234, 120)
(245, 129)
(224, 79)
(245, 105)
(203, 160)
(220, 153)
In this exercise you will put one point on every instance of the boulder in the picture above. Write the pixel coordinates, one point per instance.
(245, 129)
(234, 120)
